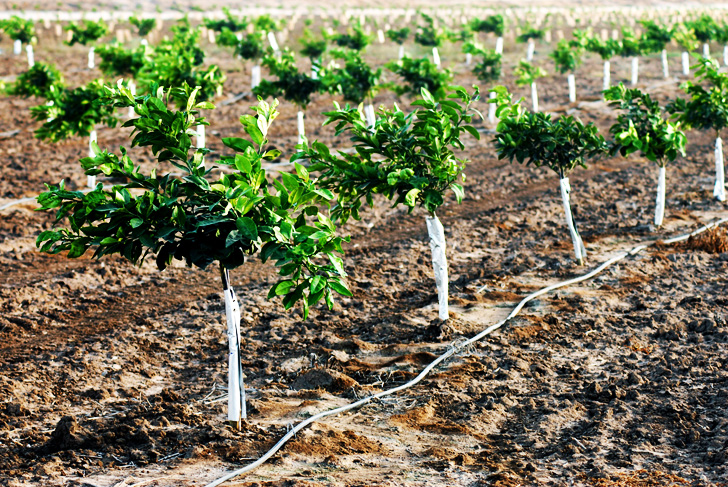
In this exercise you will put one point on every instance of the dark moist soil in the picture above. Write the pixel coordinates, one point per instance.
(114, 375)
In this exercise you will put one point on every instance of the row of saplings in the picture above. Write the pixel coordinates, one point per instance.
(203, 218)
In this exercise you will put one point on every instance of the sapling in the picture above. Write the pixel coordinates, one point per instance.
(399, 37)
(354, 38)
(407, 158)
(487, 69)
(144, 26)
(21, 31)
(642, 127)
(313, 49)
(89, 33)
(420, 73)
(249, 47)
(292, 85)
(686, 39)
(606, 50)
(356, 81)
(428, 35)
(631, 47)
(530, 36)
(40, 81)
(527, 74)
(567, 56)
(494, 24)
(705, 109)
(655, 39)
(561, 145)
(705, 30)
(201, 220)
(229, 22)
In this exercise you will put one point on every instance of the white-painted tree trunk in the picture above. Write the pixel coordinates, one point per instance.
(301, 127)
(255, 76)
(369, 114)
(401, 52)
(685, 63)
(91, 180)
(635, 70)
(706, 50)
(530, 50)
(607, 75)
(145, 42)
(237, 410)
(660, 201)
(534, 97)
(571, 80)
(719, 189)
(579, 249)
(439, 262)
(17, 47)
(491, 109)
(380, 36)
(468, 59)
(200, 136)
(273, 42)
(665, 67)
(499, 45)
(436, 56)
(91, 58)
(31, 56)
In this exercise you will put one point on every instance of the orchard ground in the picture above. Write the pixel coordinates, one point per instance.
(111, 374)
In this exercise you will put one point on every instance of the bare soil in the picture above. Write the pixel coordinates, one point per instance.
(115, 375)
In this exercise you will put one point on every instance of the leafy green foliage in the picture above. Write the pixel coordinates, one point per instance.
(566, 56)
(642, 127)
(144, 26)
(488, 66)
(408, 159)
(178, 60)
(399, 36)
(19, 29)
(705, 28)
(118, 61)
(195, 218)
(685, 38)
(535, 138)
(249, 46)
(706, 107)
(266, 23)
(630, 45)
(420, 73)
(527, 73)
(655, 37)
(292, 84)
(230, 22)
(354, 38)
(41, 81)
(74, 112)
(356, 81)
(90, 32)
(313, 48)
(529, 34)
(605, 49)
(494, 24)
(429, 36)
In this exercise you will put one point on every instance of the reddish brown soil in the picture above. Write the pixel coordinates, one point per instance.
(109, 374)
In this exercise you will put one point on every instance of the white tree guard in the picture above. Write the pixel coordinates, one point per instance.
(236, 388)
(436, 56)
(725, 55)
(534, 97)
(144, 42)
(301, 127)
(468, 58)
(719, 189)
(401, 52)
(499, 45)
(200, 136)
(17, 47)
(660, 201)
(439, 262)
(635, 70)
(706, 50)
(685, 63)
(31, 56)
(665, 67)
(529, 52)
(91, 58)
(607, 75)
(491, 109)
(91, 180)
(273, 42)
(370, 115)
(255, 76)
(571, 80)
(380, 36)
(579, 249)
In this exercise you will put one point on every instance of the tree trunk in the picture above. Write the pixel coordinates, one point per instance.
(719, 189)
(236, 387)
(439, 262)
(579, 249)
(660, 202)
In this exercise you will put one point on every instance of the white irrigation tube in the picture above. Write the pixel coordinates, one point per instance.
(454, 348)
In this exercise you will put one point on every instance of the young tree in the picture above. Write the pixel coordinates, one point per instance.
(655, 39)
(606, 50)
(494, 24)
(356, 81)
(399, 37)
(687, 40)
(313, 49)
(201, 220)
(705, 29)
(249, 47)
(88, 34)
(420, 73)
(406, 158)
(705, 109)
(229, 22)
(561, 145)
(354, 38)
(567, 56)
(21, 31)
(642, 127)
(40, 81)
(527, 74)
(144, 26)
(530, 36)
(430, 36)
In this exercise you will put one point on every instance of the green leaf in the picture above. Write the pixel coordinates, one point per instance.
(339, 287)
(237, 144)
(247, 228)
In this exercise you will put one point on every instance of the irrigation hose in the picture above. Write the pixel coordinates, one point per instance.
(453, 349)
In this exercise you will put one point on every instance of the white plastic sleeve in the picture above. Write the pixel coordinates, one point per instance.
(401, 52)
(132, 89)
(719, 189)
(255, 76)
(200, 132)
(369, 114)
(725, 55)
(665, 67)
(571, 80)
(272, 41)
(92, 137)
(607, 75)
(499, 45)
(436, 56)
(468, 59)
(706, 50)
(17, 47)
(31, 57)
(301, 127)
(491, 109)
(579, 249)
(439, 262)
(380, 36)
(531, 48)
(686, 63)
(91, 58)
(236, 387)
(534, 97)
(635, 70)
(660, 201)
